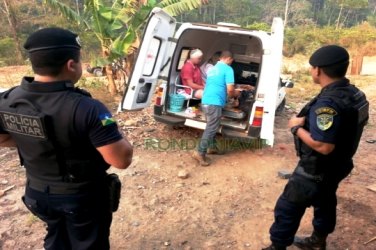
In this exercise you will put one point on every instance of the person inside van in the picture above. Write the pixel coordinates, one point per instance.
(219, 85)
(191, 74)
(209, 64)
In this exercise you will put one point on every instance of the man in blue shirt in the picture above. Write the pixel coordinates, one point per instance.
(219, 85)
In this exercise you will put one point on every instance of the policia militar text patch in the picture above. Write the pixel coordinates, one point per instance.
(23, 124)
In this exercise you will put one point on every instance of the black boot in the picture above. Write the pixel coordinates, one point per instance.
(274, 247)
(315, 242)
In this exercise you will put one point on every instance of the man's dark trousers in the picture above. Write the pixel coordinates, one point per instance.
(75, 221)
(299, 194)
(213, 115)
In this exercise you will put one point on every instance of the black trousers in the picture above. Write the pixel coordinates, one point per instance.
(75, 222)
(299, 194)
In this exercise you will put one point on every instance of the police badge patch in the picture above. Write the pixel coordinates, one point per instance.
(325, 118)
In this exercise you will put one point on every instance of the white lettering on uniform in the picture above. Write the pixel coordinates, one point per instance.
(21, 124)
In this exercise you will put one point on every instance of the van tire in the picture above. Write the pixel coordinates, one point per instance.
(281, 107)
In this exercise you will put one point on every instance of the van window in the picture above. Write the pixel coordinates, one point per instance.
(246, 73)
(184, 54)
(151, 60)
(238, 49)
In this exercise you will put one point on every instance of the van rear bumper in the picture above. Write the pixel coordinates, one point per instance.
(235, 134)
(169, 120)
(242, 137)
(254, 131)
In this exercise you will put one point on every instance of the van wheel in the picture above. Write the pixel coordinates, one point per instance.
(281, 107)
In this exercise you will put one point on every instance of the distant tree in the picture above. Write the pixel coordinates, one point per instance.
(7, 9)
(347, 7)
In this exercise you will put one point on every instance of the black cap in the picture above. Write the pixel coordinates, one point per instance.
(328, 56)
(52, 38)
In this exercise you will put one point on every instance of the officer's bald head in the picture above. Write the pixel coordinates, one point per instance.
(50, 49)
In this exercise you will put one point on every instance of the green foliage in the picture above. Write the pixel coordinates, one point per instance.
(372, 20)
(259, 26)
(116, 23)
(177, 7)
(7, 48)
(306, 39)
(300, 12)
(123, 20)
(90, 82)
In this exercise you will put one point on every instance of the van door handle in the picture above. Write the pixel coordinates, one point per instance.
(141, 80)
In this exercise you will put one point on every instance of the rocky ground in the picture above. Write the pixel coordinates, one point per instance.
(169, 202)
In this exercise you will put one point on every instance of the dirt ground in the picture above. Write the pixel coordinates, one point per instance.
(228, 205)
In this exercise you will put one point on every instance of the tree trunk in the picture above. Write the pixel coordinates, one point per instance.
(214, 13)
(111, 81)
(339, 17)
(330, 12)
(13, 27)
(77, 8)
(287, 12)
(109, 74)
(345, 19)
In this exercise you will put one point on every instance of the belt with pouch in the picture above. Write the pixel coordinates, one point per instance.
(51, 188)
(300, 171)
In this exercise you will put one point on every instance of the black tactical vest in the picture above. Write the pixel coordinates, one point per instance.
(39, 117)
(353, 109)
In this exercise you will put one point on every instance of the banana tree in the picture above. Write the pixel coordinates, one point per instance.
(117, 23)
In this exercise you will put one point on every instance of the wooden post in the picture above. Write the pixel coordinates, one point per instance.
(356, 65)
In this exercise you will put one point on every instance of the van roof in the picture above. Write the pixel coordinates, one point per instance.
(225, 26)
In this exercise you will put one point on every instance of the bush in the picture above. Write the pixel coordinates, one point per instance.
(7, 48)
(305, 39)
(259, 26)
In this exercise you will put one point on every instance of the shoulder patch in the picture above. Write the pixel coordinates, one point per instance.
(106, 119)
(325, 110)
(325, 117)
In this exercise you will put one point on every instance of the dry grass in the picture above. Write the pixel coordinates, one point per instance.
(11, 76)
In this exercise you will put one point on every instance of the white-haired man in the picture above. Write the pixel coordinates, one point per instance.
(191, 74)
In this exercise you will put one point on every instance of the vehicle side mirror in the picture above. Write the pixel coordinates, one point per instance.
(287, 84)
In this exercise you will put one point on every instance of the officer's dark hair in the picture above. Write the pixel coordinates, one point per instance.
(226, 54)
(51, 62)
(338, 70)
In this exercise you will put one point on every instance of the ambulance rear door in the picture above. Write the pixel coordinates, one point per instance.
(150, 60)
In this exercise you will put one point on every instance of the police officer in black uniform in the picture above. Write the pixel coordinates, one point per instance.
(327, 133)
(66, 141)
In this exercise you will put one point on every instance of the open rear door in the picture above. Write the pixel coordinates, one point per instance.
(270, 76)
(150, 59)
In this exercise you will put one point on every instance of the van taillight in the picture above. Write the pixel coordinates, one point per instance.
(158, 100)
(257, 118)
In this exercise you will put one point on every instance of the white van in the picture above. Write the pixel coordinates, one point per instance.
(257, 55)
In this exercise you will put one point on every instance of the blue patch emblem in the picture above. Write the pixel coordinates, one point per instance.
(106, 119)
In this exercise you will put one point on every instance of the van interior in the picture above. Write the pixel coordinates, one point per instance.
(247, 52)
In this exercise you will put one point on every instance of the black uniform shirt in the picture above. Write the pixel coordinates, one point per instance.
(325, 116)
(92, 120)
(95, 121)
(324, 121)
